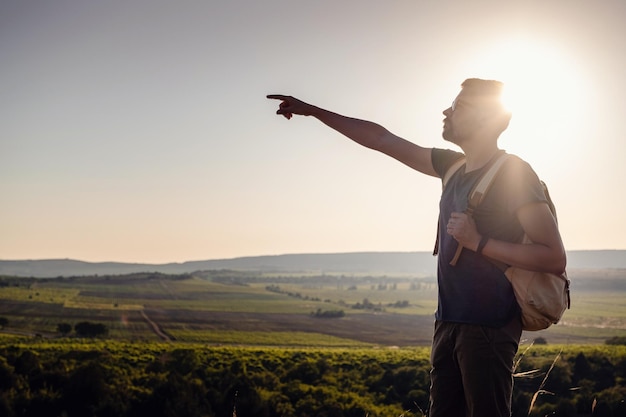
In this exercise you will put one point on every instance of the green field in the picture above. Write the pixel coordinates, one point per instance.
(247, 308)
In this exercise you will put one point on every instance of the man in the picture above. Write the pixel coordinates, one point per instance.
(477, 322)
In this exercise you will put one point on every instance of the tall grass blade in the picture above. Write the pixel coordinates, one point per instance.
(543, 383)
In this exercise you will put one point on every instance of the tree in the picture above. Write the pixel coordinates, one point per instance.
(27, 364)
(64, 328)
(183, 361)
(616, 340)
(329, 314)
(582, 369)
(177, 395)
(87, 329)
(3, 322)
(87, 392)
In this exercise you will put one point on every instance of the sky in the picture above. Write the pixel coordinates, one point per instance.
(138, 130)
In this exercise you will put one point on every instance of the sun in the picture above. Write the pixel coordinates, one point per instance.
(544, 91)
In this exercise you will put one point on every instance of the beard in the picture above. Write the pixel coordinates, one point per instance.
(448, 135)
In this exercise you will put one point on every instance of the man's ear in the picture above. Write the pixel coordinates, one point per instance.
(498, 121)
(504, 120)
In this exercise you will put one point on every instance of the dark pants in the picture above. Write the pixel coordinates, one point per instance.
(472, 369)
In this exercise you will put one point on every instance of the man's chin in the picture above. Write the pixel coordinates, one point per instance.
(452, 140)
(448, 137)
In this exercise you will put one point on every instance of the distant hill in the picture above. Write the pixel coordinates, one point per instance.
(420, 263)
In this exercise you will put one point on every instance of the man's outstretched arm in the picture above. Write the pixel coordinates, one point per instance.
(363, 132)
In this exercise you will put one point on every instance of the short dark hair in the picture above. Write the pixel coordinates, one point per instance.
(485, 88)
(488, 95)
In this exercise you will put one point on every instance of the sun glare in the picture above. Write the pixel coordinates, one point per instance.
(544, 92)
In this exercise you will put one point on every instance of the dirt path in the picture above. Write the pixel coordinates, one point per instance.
(155, 327)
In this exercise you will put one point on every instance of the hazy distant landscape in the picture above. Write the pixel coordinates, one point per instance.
(371, 298)
(343, 332)
(358, 262)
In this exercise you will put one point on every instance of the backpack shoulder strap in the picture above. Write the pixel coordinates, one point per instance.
(478, 192)
(444, 181)
(484, 183)
(450, 172)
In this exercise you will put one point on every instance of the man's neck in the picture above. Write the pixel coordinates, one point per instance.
(479, 157)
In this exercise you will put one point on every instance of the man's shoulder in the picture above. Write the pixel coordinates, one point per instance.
(519, 182)
(447, 153)
(516, 165)
(443, 159)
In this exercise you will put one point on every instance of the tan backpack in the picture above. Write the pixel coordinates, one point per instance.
(543, 297)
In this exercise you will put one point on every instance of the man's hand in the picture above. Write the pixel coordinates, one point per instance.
(291, 105)
(463, 228)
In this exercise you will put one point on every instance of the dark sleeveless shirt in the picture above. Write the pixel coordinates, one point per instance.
(475, 291)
